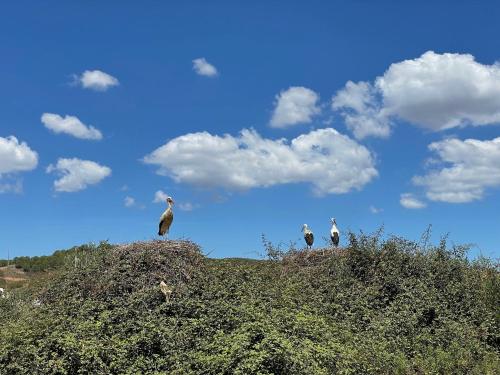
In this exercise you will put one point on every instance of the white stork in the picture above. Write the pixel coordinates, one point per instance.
(166, 218)
(334, 233)
(308, 235)
(166, 290)
(2, 293)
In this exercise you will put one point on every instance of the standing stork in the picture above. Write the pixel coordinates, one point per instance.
(334, 233)
(308, 235)
(166, 290)
(166, 218)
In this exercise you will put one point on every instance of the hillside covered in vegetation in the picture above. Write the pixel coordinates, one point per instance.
(390, 306)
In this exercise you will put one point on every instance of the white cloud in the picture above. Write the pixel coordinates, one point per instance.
(129, 202)
(361, 110)
(70, 125)
(204, 68)
(330, 161)
(434, 91)
(11, 187)
(77, 174)
(375, 210)
(409, 201)
(97, 80)
(15, 156)
(294, 106)
(187, 206)
(463, 171)
(160, 197)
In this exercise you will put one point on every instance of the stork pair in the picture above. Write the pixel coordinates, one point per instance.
(334, 234)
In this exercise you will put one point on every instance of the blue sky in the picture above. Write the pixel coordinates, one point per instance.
(410, 141)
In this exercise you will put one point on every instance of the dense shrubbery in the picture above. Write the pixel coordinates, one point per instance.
(374, 307)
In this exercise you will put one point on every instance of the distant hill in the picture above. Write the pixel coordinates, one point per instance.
(393, 307)
(57, 260)
(20, 270)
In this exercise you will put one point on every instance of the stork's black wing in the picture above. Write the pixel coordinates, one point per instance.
(335, 239)
(309, 237)
(159, 228)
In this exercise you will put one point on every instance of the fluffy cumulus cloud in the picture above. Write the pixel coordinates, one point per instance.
(16, 156)
(70, 125)
(362, 112)
(297, 105)
(408, 200)
(434, 91)
(330, 161)
(160, 197)
(96, 80)
(462, 171)
(204, 68)
(76, 174)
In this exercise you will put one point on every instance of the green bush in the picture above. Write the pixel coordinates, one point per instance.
(375, 307)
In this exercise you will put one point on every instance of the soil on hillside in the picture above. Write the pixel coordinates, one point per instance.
(12, 277)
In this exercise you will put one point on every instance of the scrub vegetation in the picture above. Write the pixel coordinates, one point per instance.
(377, 306)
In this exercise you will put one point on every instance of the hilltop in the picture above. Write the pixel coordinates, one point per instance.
(375, 306)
